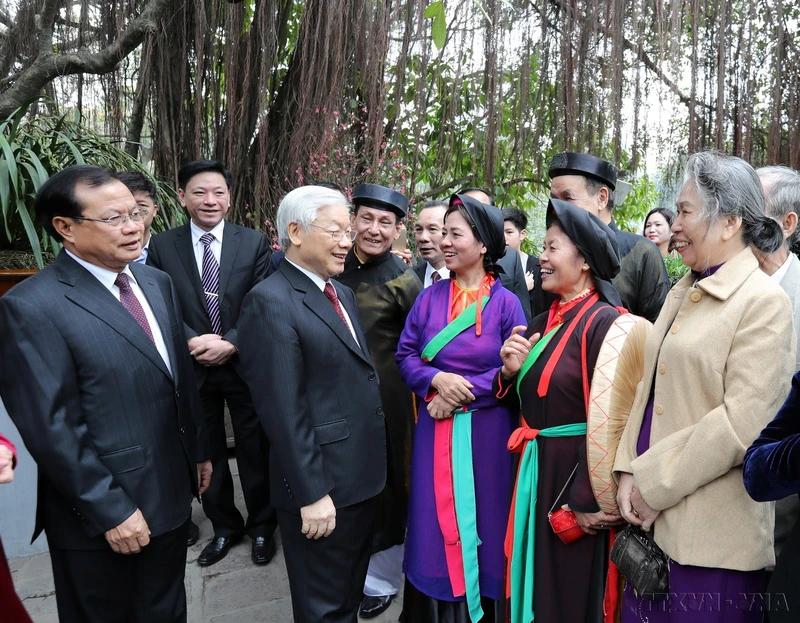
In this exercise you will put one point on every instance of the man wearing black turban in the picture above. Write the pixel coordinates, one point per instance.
(589, 183)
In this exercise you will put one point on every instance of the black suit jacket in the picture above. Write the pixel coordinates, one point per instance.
(315, 391)
(244, 262)
(420, 269)
(110, 428)
(513, 278)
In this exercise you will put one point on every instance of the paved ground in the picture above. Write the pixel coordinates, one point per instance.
(232, 591)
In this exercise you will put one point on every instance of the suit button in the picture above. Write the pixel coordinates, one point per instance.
(659, 410)
(380, 411)
(183, 430)
(696, 296)
(662, 369)
(177, 393)
(675, 329)
(371, 376)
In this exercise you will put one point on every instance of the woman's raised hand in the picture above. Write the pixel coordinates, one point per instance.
(454, 388)
(515, 351)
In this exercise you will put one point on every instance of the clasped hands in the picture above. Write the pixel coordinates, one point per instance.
(210, 349)
(452, 391)
(632, 506)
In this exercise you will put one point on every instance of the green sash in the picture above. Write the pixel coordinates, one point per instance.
(536, 351)
(463, 321)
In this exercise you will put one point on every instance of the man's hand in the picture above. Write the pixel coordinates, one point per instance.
(404, 255)
(203, 476)
(214, 352)
(130, 536)
(319, 518)
(6, 465)
(198, 340)
(440, 409)
(454, 388)
(529, 280)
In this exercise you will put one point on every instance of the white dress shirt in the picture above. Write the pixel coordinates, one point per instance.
(429, 270)
(199, 247)
(142, 259)
(320, 283)
(779, 274)
(107, 278)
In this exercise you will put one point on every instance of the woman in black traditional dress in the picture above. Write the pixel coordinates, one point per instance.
(550, 376)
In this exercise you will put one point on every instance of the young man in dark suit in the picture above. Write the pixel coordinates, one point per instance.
(315, 389)
(213, 265)
(95, 374)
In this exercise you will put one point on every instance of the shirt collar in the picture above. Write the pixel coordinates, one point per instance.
(318, 281)
(197, 233)
(103, 275)
(443, 272)
(779, 274)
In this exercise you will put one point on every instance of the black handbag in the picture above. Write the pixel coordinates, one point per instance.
(642, 562)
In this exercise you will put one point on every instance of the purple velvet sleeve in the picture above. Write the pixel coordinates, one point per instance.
(772, 463)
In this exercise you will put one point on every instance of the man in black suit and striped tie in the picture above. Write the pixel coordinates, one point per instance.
(95, 374)
(315, 389)
(214, 264)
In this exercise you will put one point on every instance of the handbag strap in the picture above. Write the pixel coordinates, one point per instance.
(566, 484)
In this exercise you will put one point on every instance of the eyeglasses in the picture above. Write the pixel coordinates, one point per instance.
(338, 234)
(116, 221)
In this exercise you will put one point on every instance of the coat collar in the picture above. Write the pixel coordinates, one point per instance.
(730, 276)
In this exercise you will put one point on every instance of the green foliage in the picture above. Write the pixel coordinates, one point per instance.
(435, 11)
(642, 198)
(675, 267)
(31, 150)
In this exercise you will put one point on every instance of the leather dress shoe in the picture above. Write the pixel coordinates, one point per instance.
(373, 606)
(217, 549)
(263, 550)
(194, 534)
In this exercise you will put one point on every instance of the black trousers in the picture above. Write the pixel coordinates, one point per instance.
(223, 385)
(100, 586)
(326, 576)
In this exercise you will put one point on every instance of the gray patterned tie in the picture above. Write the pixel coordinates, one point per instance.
(210, 279)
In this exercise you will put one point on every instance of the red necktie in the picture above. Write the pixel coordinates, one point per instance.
(331, 294)
(132, 304)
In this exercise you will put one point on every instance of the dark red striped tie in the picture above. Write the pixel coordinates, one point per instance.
(132, 304)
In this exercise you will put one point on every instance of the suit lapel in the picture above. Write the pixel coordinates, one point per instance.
(88, 293)
(318, 303)
(354, 314)
(159, 307)
(183, 245)
(227, 259)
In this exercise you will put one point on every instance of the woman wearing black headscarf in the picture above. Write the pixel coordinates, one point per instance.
(549, 370)
(461, 473)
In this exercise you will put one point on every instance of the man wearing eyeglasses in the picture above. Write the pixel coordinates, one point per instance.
(95, 374)
(144, 193)
(385, 288)
(214, 264)
(315, 389)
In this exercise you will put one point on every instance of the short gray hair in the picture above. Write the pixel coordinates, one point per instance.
(301, 206)
(729, 186)
(783, 195)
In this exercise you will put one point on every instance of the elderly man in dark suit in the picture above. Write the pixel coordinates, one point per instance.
(315, 389)
(213, 265)
(95, 374)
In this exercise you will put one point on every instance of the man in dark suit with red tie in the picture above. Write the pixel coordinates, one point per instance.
(214, 264)
(95, 374)
(315, 390)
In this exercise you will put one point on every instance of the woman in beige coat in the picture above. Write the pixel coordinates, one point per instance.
(718, 365)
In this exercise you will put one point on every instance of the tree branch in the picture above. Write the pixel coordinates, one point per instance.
(48, 65)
